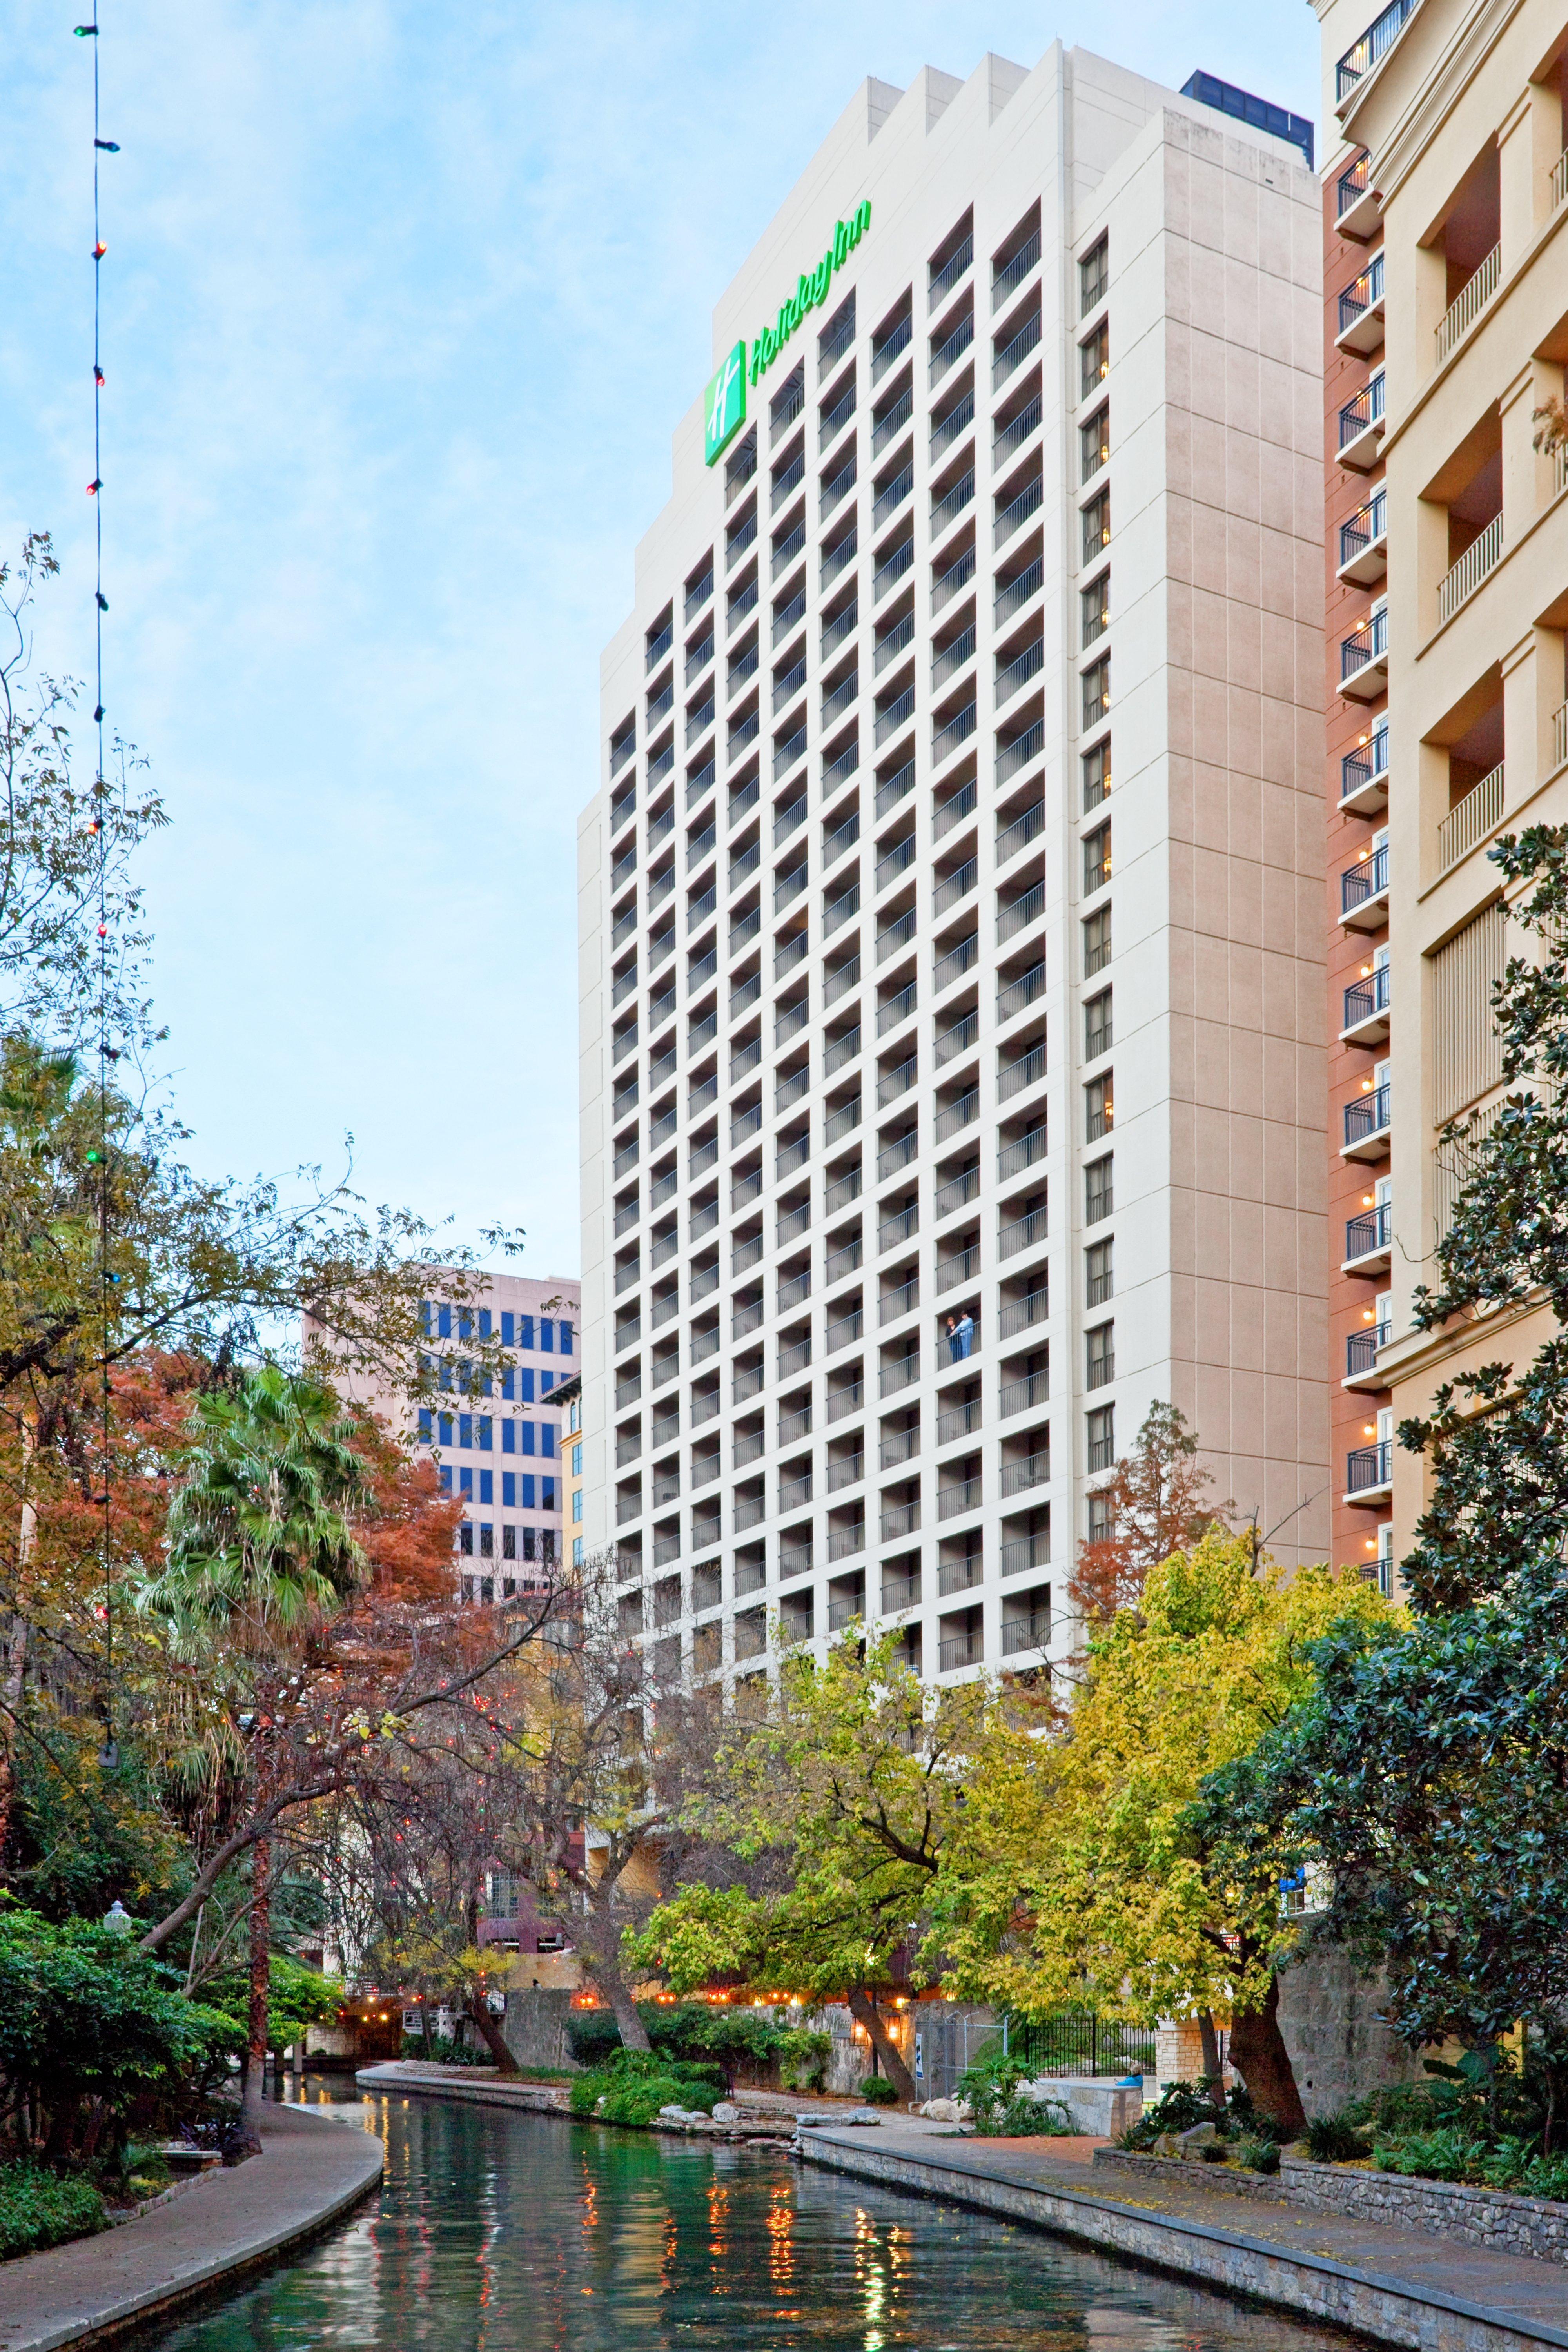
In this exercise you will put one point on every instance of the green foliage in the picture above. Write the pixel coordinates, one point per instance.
(1000, 2108)
(878, 2092)
(632, 2085)
(803, 2055)
(39, 2208)
(444, 2050)
(1179, 2107)
(1335, 2139)
(1257, 2155)
(297, 1996)
(696, 2030)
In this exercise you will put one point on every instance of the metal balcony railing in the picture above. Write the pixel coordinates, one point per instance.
(1351, 185)
(1362, 56)
(1010, 437)
(1370, 1233)
(943, 280)
(1471, 820)
(1007, 276)
(1357, 768)
(961, 1650)
(1369, 1466)
(946, 430)
(957, 730)
(1367, 880)
(897, 339)
(1469, 303)
(1366, 291)
(1013, 516)
(891, 497)
(894, 568)
(1482, 555)
(953, 811)
(1013, 355)
(950, 505)
(948, 355)
(1365, 999)
(1367, 643)
(1368, 1115)
(1364, 529)
(1362, 1346)
(1358, 415)
(887, 427)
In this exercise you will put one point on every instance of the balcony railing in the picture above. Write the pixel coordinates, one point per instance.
(1469, 303)
(1364, 295)
(1357, 768)
(1351, 185)
(957, 730)
(1367, 880)
(837, 416)
(1362, 1346)
(892, 498)
(952, 270)
(1365, 999)
(1020, 912)
(897, 339)
(1481, 556)
(949, 659)
(1370, 1233)
(958, 419)
(1368, 1115)
(1011, 518)
(1471, 820)
(894, 568)
(1018, 672)
(947, 356)
(1011, 436)
(948, 508)
(1010, 274)
(1018, 753)
(1368, 644)
(1370, 1466)
(1358, 415)
(947, 584)
(887, 428)
(1014, 354)
(894, 714)
(1363, 530)
(1362, 56)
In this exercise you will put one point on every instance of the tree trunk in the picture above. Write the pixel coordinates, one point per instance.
(261, 1982)
(495, 2040)
(1213, 2069)
(10, 1710)
(863, 2009)
(1258, 2052)
(597, 1933)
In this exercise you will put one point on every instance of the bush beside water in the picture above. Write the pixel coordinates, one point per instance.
(39, 2208)
(737, 2041)
(632, 2085)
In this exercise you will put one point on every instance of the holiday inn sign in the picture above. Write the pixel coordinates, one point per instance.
(724, 402)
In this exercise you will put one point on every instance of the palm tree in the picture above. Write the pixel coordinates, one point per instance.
(261, 1553)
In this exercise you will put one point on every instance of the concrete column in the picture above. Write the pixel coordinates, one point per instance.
(1516, 181)
(1522, 765)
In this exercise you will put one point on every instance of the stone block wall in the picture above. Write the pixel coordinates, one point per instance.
(535, 2026)
(1328, 2016)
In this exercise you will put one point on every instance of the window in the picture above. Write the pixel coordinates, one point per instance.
(568, 1333)
(547, 1436)
(465, 1430)
(485, 1427)
(525, 1385)
(1385, 1559)
(1094, 360)
(1099, 1108)
(576, 1552)
(1098, 1189)
(1094, 443)
(547, 1501)
(484, 1323)
(529, 1483)
(466, 1482)
(578, 1460)
(577, 1507)
(425, 1317)
(1096, 942)
(575, 1414)
(525, 1330)
(446, 1478)
(487, 1590)
(528, 1436)
(1093, 275)
(444, 1373)
(1095, 774)
(1097, 526)
(1094, 606)
(547, 1545)
(508, 1437)
(509, 1543)
(443, 1322)
(443, 1424)
(508, 1384)
(487, 1541)
(466, 1538)
(509, 1490)
(465, 1324)
(1101, 1355)
(487, 1485)
(546, 1382)
(1097, 1025)
(507, 1330)
(426, 1436)
(1100, 1270)
(546, 1336)
(1097, 857)
(530, 1543)
(1096, 685)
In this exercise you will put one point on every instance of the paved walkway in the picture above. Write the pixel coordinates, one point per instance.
(1399, 2286)
(314, 2165)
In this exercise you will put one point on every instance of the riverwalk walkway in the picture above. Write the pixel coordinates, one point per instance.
(313, 2167)
(1398, 2286)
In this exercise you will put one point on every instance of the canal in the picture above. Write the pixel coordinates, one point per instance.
(499, 2232)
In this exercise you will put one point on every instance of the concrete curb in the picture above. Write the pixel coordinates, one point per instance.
(1418, 2318)
(227, 2224)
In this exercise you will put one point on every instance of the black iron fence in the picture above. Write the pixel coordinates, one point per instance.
(1075, 2042)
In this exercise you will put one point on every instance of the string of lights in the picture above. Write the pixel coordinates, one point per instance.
(110, 1754)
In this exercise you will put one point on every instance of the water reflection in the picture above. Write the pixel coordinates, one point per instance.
(513, 2233)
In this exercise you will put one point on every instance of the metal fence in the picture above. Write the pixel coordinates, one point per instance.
(1075, 2042)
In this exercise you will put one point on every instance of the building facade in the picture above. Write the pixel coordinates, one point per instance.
(1447, 290)
(953, 1076)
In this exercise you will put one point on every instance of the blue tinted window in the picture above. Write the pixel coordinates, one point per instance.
(576, 1552)
(547, 1436)
(567, 1335)
(507, 1330)
(509, 1490)
(525, 1383)
(546, 1336)
(424, 1317)
(465, 1430)
(465, 1482)
(509, 1383)
(466, 1537)
(443, 1376)
(508, 1437)
(446, 1429)
(527, 1482)
(444, 1322)
(484, 1322)
(546, 1382)
(527, 1427)
(446, 1477)
(484, 1432)
(487, 1485)
(425, 1419)
(465, 1324)
(484, 1384)
(525, 1330)
(547, 1494)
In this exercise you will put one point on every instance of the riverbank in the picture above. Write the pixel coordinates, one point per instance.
(772, 2116)
(1398, 2286)
(313, 2168)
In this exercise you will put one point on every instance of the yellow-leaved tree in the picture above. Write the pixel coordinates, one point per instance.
(1078, 1872)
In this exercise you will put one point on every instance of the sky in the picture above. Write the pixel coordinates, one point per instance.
(403, 302)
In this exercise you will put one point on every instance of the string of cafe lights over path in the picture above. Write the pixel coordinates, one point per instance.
(109, 1756)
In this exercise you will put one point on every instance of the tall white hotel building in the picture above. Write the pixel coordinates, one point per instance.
(952, 905)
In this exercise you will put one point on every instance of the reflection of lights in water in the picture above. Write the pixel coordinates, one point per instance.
(718, 2220)
(780, 2236)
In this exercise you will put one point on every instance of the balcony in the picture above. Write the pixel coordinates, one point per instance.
(948, 353)
(1362, 56)
(1363, 892)
(1368, 1125)
(1468, 822)
(944, 280)
(946, 740)
(1462, 579)
(891, 497)
(1357, 211)
(1469, 303)
(950, 505)
(1361, 311)
(1360, 428)
(1364, 776)
(1360, 1355)
(1363, 659)
(1008, 276)
(1016, 512)
(1369, 1473)
(1013, 354)
(1366, 1008)
(1369, 1241)
(1363, 543)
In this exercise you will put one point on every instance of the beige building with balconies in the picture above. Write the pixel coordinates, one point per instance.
(1450, 171)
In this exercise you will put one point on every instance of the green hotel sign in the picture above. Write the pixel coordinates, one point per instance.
(724, 402)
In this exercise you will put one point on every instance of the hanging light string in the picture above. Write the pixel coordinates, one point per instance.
(109, 1755)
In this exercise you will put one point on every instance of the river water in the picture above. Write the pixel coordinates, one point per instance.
(498, 2232)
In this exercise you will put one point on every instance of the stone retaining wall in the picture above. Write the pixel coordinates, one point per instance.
(1481, 2217)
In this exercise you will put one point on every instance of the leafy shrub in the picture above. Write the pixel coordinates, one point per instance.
(803, 2058)
(1449, 2154)
(1335, 2139)
(1027, 2118)
(1001, 2109)
(39, 2208)
(692, 2032)
(443, 2050)
(1257, 2155)
(878, 2092)
(1179, 2107)
(634, 2083)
